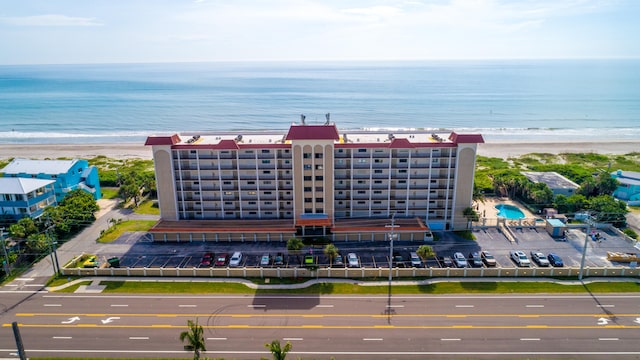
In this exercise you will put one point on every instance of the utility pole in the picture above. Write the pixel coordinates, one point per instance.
(391, 237)
(52, 246)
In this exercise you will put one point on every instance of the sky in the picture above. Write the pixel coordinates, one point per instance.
(133, 31)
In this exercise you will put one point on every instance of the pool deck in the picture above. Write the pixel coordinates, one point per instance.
(487, 208)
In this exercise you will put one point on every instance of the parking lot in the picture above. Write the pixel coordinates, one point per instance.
(135, 251)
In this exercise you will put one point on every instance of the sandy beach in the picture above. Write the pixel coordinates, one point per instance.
(134, 150)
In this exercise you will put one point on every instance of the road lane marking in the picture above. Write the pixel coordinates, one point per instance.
(187, 306)
(535, 306)
(529, 339)
(257, 306)
(608, 339)
(62, 337)
(324, 306)
(119, 305)
(465, 306)
(138, 338)
(24, 279)
(42, 285)
(292, 339)
(372, 339)
(218, 339)
(395, 306)
(52, 305)
(606, 306)
(450, 339)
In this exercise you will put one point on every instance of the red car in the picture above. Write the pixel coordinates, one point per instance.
(207, 258)
(221, 259)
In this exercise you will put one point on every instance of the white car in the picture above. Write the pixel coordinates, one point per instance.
(236, 259)
(520, 258)
(352, 260)
(459, 260)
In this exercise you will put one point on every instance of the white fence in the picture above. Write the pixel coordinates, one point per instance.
(355, 273)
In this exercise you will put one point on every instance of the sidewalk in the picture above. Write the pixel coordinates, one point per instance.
(95, 286)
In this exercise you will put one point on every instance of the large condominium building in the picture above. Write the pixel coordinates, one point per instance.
(313, 176)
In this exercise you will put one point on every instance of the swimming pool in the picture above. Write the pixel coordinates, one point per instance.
(509, 211)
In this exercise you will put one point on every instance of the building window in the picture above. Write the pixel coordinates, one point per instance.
(266, 171)
(377, 171)
(307, 188)
(251, 182)
(252, 202)
(308, 178)
(226, 182)
(228, 193)
(266, 182)
(307, 166)
(318, 155)
(319, 200)
(362, 192)
(402, 171)
(377, 191)
(319, 178)
(267, 192)
(318, 167)
(402, 160)
(228, 203)
(266, 161)
(361, 182)
(362, 161)
(265, 151)
(362, 150)
(252, 193)
(192, 151)
(377, 182)
(308, 200)
(306, 156)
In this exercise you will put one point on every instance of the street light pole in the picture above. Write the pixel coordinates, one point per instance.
(584, 249)
(391, 237)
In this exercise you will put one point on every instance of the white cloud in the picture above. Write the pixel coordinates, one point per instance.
(49, 20)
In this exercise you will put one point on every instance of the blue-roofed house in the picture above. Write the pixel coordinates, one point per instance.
(629, 187)
(22, 197)
(68, 175)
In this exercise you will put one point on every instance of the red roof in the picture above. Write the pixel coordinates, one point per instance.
(163, 140)
(466, 138)
(313, 132)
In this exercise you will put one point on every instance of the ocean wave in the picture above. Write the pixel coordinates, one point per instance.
(490, 134)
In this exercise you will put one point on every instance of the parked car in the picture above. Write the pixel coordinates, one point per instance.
(398, 260)
(415, 260)
(206, 260)
(445, 261)
(459, 260)
(265, 260)
(520, 258)
(278, 260)
(221, 259)
(309, 260)
(236, 259)
(488, 259)
(338, 261)
(352, 260)
(474, 259)
(555, 260)
(539, 258)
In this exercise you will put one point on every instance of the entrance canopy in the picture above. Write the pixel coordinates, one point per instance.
(319, 219)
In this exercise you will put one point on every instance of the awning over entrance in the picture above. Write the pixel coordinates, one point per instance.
(319, 219)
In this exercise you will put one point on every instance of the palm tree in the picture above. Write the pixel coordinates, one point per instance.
(331, 251)
(278, 352)
(195, 338)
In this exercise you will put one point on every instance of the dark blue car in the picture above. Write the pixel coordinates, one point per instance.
(555, 260)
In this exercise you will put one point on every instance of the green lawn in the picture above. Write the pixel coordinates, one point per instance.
(149, 207)
(352, 289)
(116, 230)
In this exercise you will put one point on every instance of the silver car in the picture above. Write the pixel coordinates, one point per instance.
(459, 260)
(352, 260)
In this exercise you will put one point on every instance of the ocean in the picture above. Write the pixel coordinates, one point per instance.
(506, 100)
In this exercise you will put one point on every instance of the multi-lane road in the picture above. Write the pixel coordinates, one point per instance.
(319, 327)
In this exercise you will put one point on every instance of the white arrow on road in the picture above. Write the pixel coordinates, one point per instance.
(110, 319)
(637, 321)
(603, 321)
(71, 320)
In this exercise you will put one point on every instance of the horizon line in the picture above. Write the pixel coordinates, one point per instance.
(327, 61)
